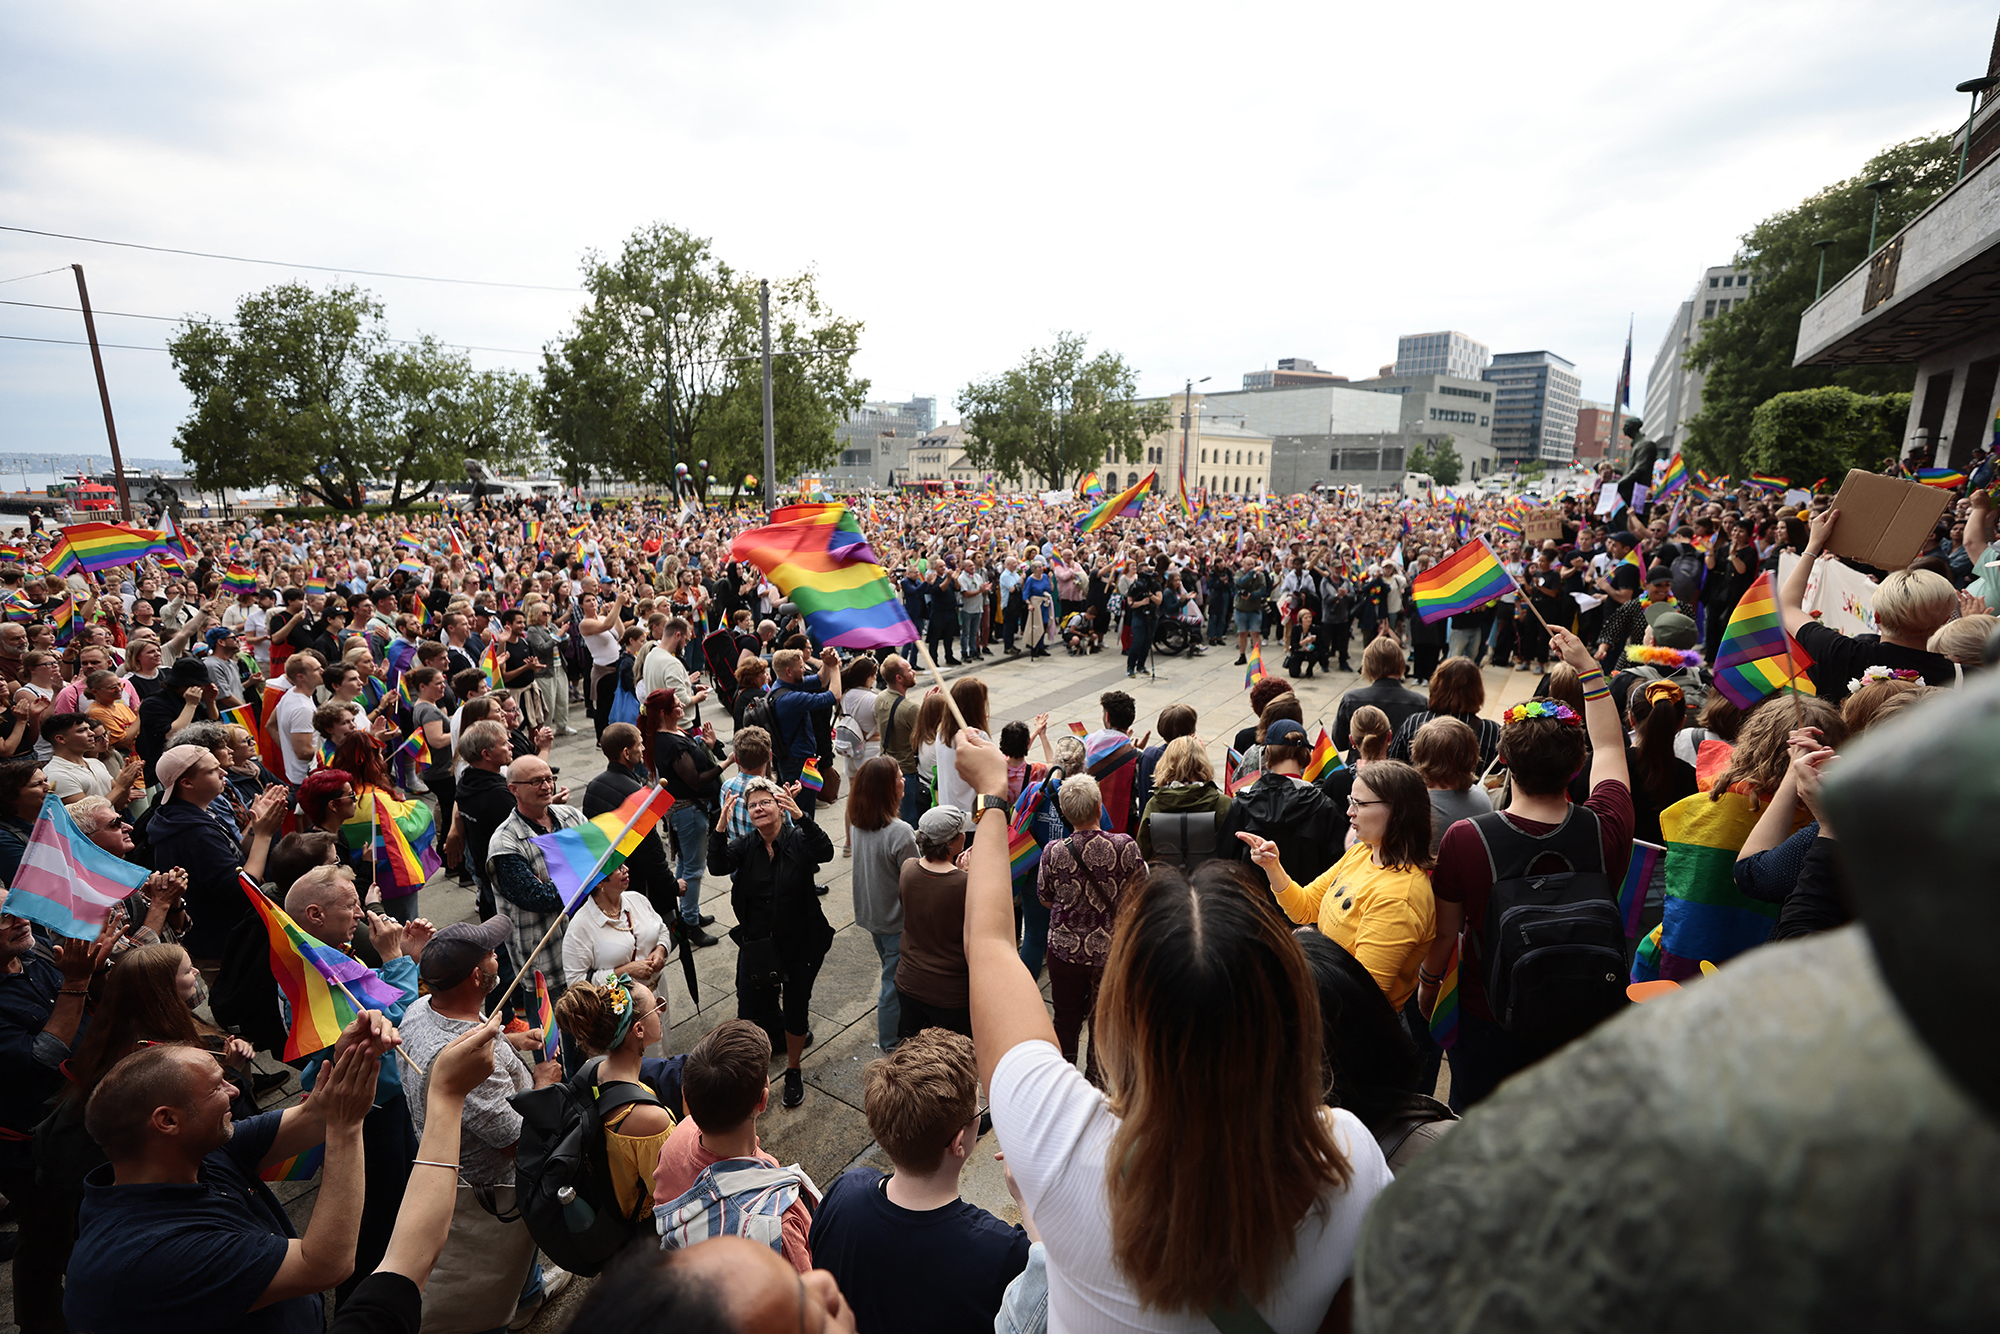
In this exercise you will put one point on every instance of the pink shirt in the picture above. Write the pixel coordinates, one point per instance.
(681, 1159)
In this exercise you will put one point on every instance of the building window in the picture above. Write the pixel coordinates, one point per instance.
(857, 458)
(1715, 282)
(1204, 456)
(1111, 481)
(1708, 311)
(1729, 280)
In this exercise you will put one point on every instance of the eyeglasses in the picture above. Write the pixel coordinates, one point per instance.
(548, 781)
(1353, 803)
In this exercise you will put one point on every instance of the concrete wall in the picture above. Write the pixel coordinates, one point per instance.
(1318, 410)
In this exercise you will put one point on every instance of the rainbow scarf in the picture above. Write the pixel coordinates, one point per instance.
(320, 983)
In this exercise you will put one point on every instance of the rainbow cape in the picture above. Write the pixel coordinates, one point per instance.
(320, 983)
(818, 558)
(1127, 504)
(1470, 577)
(1755, 656)
(404, 835)
(579, 857)
(1707, 917)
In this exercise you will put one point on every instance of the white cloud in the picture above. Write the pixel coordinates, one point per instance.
(1205, 189)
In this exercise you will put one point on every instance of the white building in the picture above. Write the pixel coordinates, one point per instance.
(1673, 389)
(1447, 352)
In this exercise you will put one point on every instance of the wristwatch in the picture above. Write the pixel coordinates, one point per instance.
(983, 804)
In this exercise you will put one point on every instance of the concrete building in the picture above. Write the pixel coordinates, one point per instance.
(1303, 426)
(938, 455)
(1434, 406)
(1444, 353)
(1929, 297)
(1535, 397)
(875, 443)
(1673, 388)
(1222, 454)
(1595, 440)
(1292, 373)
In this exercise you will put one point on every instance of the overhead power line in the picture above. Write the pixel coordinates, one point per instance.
(176, 319)
(78, 342)
(287, 264)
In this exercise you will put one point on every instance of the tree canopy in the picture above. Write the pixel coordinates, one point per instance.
(306, 390)
(1823, 432)
(1746, 352)
(631, 394)
(1058, 414)
(1440, 461)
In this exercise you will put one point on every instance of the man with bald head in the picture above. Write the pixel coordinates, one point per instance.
(13, 645)
(178, 1233)
(324, 902)
(515, 867)
(725, 1285)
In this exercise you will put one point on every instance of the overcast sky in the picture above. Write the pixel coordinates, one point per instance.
(1203, 188)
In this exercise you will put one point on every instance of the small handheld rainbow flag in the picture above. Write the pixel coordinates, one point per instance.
(1674, 479)
(321, 984)
(1253, 670)
(1508, 525)
(545, 1017)
(489, 662)
(1089, 485)
(1768, 482)
(237, 579)
(1470, 577)
(1444, 1015)
(1755, 656)
(301, 1166)
(809, 776)
(582, 855)
(1944, 477)
(245, 717)
(404, 838)
(1079, 729)
(65, 618)
(316, 584)
(1638, 875)
(1323, 759)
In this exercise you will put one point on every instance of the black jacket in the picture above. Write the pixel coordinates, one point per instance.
(1294, 815)
(772, 891)
(1389, 696)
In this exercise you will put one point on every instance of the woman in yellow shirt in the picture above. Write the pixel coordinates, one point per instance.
(616, 1020)
(1375, 902)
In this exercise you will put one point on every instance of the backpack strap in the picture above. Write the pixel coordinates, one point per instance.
(1238, 1317)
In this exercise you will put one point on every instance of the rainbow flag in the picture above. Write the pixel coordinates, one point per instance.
(316, 584)
(489, 662)
(412, 755)
(582, 855)
(1507, 524)
(18, 607)
(1767, 482)
(1706, 916)
(237, 579)
(104, 546)
(987, 504)
(1089, 485)
(1944, 477)
(65, 618)
(409, 542)
(1324, 760)
(1674, 479)
(1755, 656)
(531, 533)
(321, 984)
(1444, 1014)
(245, 717)
(545, 1019)
(1638, 875)
(818, 558)
(453, 541)
(8, 551)
(1231, 782)
(1253, 671)
(1079, 729)
(1024, 854)
(1127, 504)
(413, 568)
(809, 777)
(404, 838)
(1470, 577)
(301, 1166)
(66, 882)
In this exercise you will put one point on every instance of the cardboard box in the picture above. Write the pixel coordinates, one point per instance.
(1538, 526)
(1884, 520)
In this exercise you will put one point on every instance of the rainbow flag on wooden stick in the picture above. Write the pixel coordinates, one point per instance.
(580, 856)
(404, 837)
(321, 984)
(1755, 656)
(1470, 577)
(818, 558)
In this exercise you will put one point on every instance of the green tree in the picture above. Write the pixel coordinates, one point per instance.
(1823, 432)
(306, 390)
(1058, 414)
(663, 368)
(1440, 460)
(1746, 352)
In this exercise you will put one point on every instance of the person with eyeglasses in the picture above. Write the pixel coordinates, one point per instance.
(1375, 902)
(518, 871)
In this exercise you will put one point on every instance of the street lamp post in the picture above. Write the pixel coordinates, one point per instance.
(667, 350)
(1819, 286)
(1187, 418)
(1974, 87)
(1876, 187)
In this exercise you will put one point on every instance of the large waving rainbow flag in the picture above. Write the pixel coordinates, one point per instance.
(1127, 504)
(105, 546)
(582, 856)
(404, 834)
(818, 558)
(1470, 577)
(320, 982)
(1755, 656)
(1675, 477)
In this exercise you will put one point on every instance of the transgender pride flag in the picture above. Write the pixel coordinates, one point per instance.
(66, 882)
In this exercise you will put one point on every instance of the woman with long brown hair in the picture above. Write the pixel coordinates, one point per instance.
(1206, 1176)
(1458, 690)
(882, 843)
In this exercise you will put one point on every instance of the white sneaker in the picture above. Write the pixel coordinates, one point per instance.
(554, 1279)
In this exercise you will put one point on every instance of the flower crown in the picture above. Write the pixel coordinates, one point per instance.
(1870, 675)
(1544, 708)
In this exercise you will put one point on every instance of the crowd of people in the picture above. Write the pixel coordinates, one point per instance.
(1264, 963)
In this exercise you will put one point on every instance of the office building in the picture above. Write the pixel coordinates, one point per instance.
(1435, 406)
(1292, 373)
(1447, 353)
(1535, 398)
(1673, 388)
(875, 443)
(1595, 439)
(1309, 432)
(1223, 455)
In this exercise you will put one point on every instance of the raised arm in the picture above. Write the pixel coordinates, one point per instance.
(325, 1255)
(1600, 715)
(1792, 596)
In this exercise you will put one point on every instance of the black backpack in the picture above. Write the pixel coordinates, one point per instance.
(562, 1146)
(1553, 945)
(1686, 573)
(1182, 838)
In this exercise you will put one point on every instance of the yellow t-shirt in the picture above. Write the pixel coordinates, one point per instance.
(1385, 917)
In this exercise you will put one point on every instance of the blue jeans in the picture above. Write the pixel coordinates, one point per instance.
(690, 824)
(888, 1009)
(968, 632)
(916, 799)
(1034, 926)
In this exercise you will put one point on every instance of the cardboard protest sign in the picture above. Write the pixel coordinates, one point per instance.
(1884, 520)
(1541, 526)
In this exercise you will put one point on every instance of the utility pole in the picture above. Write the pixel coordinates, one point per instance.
(770, 436)
(104, 396)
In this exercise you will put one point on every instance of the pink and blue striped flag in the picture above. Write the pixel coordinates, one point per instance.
(66, 882)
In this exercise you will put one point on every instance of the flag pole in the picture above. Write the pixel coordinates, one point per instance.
(359, 1008)
(588, 882)
(930, 662)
